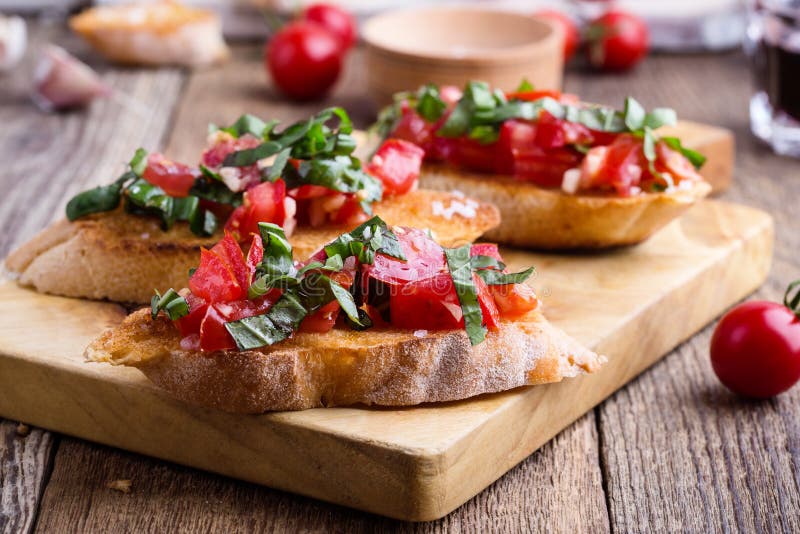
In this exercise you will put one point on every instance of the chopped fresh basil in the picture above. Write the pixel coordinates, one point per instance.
(209, 187)
(486, 262)
(661, 117)
(365, 241)
(145, 198)
(634, 114)
(96, 200)
(174, 305)
(283, 318)
(459, 263)
(694, 157)
(106, 197)
(525, 86)
(430, 105)
(498, 278)
(339, 173)
(247, 124)
(139, 161)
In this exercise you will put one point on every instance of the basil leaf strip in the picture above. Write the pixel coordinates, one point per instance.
(106, 197)
(694, 157)
(365, 241)
(498, 278)
(459, 263)
(96, 200)
(174, 305)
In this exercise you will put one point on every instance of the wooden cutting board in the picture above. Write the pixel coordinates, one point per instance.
(634, 305)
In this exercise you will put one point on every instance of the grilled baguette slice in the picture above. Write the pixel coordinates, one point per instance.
(164, 33)
(534, 217)
(123, 257)
(343, 367)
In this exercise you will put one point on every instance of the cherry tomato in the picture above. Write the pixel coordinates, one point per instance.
(335, 19)
(397, 164)
(213, 334)
(174, 178)
(572, 37)
(755, 349)
(617, 41)
(262, 203)
(304, 60)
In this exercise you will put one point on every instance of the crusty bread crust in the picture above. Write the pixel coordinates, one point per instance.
(155, 34)
(123, 257)
(343, 367)
(540, 218)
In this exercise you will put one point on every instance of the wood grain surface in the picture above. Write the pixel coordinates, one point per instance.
(598, 474)
(414, 463)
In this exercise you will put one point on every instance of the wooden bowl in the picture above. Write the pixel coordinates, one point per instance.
(452, 45)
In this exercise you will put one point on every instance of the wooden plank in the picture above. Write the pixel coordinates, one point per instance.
(418, 463)
(46, 159)
(167, 498)
(25, 457)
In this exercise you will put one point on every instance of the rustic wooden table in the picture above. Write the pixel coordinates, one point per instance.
(671, 451)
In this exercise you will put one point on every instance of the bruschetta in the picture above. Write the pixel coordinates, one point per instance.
(145, 229)
(155, 33)
(564, 174)
(380, 316)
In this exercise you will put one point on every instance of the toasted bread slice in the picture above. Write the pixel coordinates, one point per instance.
(344, 367)
(123, 257)
(540, 218)
(163, 33)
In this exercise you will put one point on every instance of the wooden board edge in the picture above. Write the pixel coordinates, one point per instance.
(66, 401)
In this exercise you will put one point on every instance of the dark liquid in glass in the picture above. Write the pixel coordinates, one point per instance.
(779, 77)
(777, 62)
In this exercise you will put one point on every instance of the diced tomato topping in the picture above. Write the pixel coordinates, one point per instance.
(675, 163)
(514, 300)
(214, 280)
(397, 164)
(223, 144)
(262, 203)
(213, 335)
(308, 191)
(351, 214)
(489, 310)
(255, 255)
(176, 179)
(485, 249)
(425, 258)
(231, 253)
(190, 324)
(530, 96)
(322, 320)
(617, 167)
(430, 303)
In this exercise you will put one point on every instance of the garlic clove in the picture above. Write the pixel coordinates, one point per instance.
(13, 40)
(62, 81)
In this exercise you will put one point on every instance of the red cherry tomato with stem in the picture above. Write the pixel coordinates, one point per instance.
(335, 19)
(304, 60)
(572, 36)
(617, 41)
(755, 349)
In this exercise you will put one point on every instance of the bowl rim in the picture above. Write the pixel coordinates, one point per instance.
(517, 53)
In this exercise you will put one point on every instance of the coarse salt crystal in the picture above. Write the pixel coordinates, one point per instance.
(420, 333)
